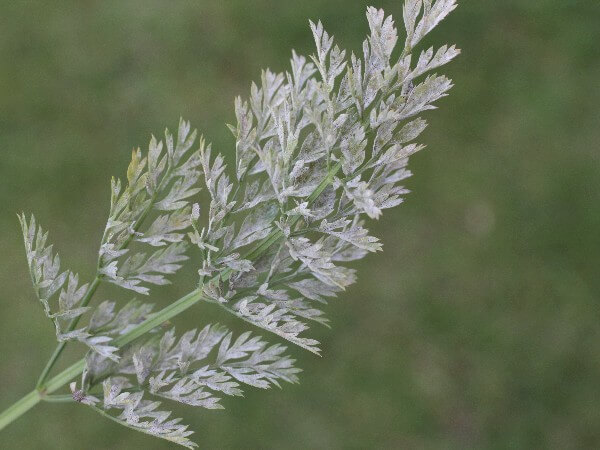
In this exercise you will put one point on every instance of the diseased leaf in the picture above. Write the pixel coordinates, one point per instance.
(318, 149)
(256, 225)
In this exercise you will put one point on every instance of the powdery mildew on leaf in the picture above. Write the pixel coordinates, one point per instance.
(320, 149)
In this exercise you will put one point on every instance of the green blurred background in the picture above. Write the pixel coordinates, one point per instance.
(479, 325)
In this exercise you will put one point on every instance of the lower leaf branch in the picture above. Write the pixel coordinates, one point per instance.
(94, 286)
(53, 384)
(50, 386)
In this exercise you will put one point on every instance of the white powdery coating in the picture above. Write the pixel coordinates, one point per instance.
(319, 150)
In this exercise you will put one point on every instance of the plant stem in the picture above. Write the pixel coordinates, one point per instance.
(61, 346)
(20, 408)
(160, 317)
(56, 382)
(66, 398)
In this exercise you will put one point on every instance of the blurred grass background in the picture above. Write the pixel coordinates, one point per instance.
(479, 325)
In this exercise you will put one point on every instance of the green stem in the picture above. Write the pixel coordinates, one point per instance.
(20, 408)
(160, 317)
(66, 398)
(58, 381)
(34, 397)
(61, 346)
